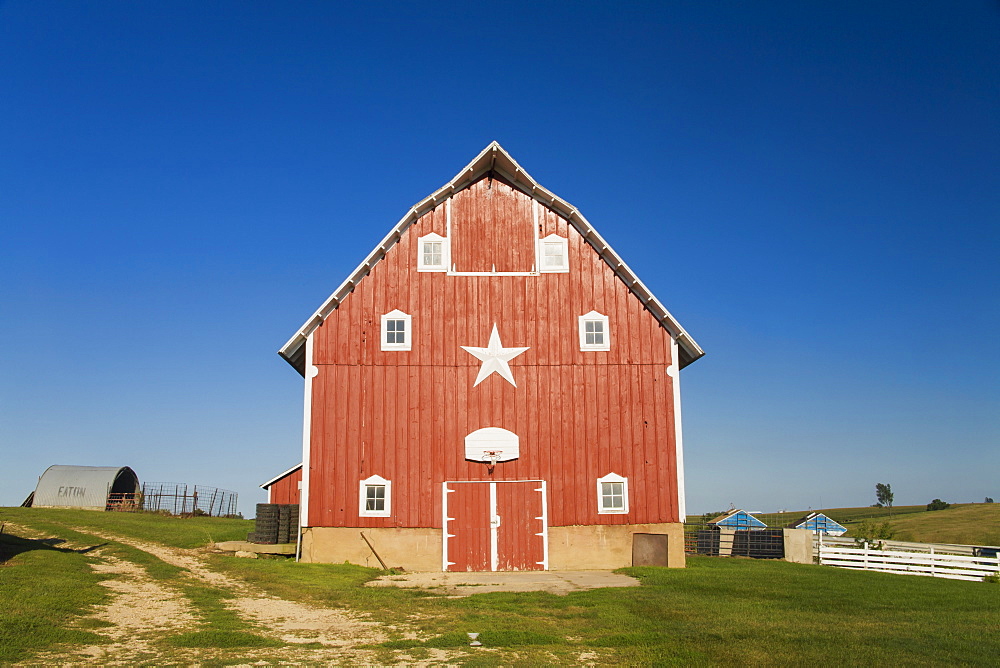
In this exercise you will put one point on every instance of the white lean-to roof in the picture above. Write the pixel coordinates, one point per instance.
(495, 159)
(280, 476)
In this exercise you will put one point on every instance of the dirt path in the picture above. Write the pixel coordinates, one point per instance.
(290, 621)
(142, 610)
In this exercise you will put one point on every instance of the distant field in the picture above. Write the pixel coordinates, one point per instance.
(966, 524)
(845, 515)
(842, 515)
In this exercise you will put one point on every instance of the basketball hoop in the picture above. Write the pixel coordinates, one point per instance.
(491, 457)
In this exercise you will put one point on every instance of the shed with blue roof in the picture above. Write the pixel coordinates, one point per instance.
(820, 524)
(737, 519)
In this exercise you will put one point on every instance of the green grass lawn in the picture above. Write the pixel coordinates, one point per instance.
(716, 611)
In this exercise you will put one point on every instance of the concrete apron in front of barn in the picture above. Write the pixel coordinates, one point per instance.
(466, 584)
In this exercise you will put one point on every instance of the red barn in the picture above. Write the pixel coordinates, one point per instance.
(491, 389)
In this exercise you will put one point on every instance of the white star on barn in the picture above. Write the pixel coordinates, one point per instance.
(495, 358)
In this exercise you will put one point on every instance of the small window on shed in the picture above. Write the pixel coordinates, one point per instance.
(396, 334)
(612, 495)
(375, 497)
(553, 254)
(432, 253)
(594, 334)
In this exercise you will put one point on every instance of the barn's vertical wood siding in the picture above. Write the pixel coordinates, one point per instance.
(491, 227)
(404, 415)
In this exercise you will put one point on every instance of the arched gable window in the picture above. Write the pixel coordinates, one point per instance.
(432, 253)
(396, 334)
(612, 494)
(553, 254)
(594, 334)
(375, 498)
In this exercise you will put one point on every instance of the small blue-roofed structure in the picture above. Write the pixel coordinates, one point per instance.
(819, 523)
(737, 519)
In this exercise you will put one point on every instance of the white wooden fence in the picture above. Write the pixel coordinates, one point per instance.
(950, 566)
(906, 546)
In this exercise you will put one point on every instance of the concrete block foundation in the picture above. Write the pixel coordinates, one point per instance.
(601, 547)
(571, 548)
(414, 549)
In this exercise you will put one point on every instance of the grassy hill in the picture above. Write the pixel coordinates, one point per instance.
(853, 515)
(969, 524)
(166, 529)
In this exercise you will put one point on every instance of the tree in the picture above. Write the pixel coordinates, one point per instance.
(989, 499)
(938, 504)
(873, 533)
(883, 492)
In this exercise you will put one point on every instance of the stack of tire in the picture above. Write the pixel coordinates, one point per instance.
(276, 523)
(288, 522)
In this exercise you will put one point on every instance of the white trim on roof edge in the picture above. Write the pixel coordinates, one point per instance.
(495, 158)
(280, 476)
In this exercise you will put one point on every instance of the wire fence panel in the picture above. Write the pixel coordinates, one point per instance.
(124, 502)
(713, 541)
(183, 499)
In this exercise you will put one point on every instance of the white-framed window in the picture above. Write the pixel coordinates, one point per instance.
(612, 495)
(375, 497)
(553, 254)
(594, 334)
(396, 331)
(432, 253)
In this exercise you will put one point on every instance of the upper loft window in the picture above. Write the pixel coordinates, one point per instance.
(375, 497)
(396, 331)
(553, 254)
(612, 495)
(594, 334)
(432, 253)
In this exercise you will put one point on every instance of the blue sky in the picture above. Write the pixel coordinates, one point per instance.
(812, 189)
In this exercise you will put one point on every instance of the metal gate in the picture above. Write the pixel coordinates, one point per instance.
(495, 526)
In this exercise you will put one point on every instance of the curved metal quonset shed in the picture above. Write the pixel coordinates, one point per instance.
(83, 486)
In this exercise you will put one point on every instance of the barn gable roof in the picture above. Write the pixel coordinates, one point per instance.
(496, 160)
